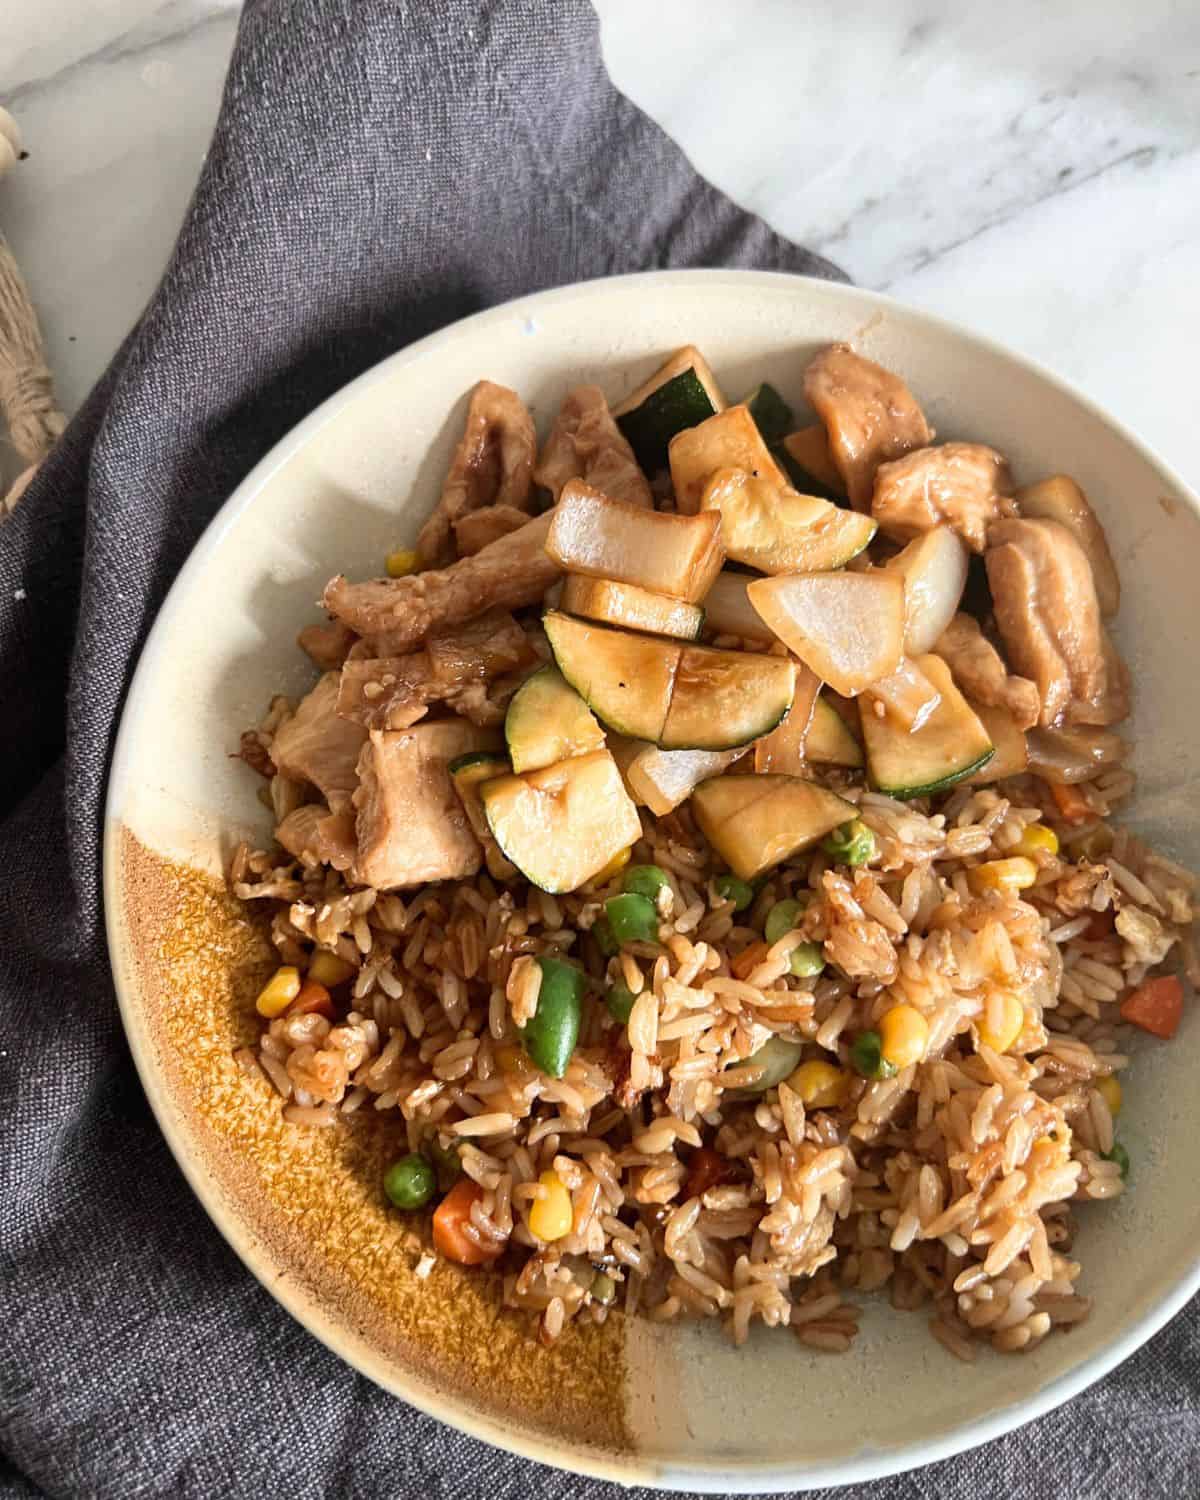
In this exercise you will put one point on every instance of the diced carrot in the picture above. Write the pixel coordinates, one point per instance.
(749, 959)
(1071, 803)
(312, 997)
(449, 1235)
(706, 1169)
(1156, 1006)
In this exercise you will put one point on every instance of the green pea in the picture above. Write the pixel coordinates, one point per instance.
(410, 1182)
(866, 1054)
(550, 1036)
(644, 880)
(633, 918)
(448, 1163)
(782, 917)
(605, 941)
(806, 960)
(851, 844)
(619, 1000)
(730, 888)
(604, 1288)
(1120, 1156)
(778, 1058)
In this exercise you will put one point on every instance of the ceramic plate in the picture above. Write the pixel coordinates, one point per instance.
(640, 1404)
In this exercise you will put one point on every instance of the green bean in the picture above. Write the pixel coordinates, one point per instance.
(645, 880)
(550, 1036)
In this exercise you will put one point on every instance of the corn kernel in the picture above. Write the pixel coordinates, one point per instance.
(1008, 875)
(550, 1216)
(402, 562)
(1002, 1021)
(1109, 1090)
(328, 969)
(278, 992)
(1038, 838)
(904, 1035)
(614, 867)
(820, 1085)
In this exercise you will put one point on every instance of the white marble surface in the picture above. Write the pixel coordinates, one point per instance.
(1031, 170)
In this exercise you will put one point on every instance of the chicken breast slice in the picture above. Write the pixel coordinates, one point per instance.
(411, 827)
(492, 465)
(313, 833)
(327, 644)
(1049, 619)
(479, 528)
(961, 485)
(401, 612)
(979, 670)
(587, 444)
(318, 747)
(870, 416)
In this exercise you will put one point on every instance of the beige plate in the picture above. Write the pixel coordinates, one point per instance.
(302, 1209)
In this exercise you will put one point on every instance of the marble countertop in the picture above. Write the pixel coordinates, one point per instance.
(1033, 173)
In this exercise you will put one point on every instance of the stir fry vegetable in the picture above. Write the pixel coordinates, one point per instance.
(551, 1035)
(410, 1182)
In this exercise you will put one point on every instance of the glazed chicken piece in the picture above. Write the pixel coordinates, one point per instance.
(317, 746)
(587, 444)
(479, 528)
(979, 670)
(870, 416)
(327, 644)
(387, 692)
(410, 822)
(313, 833)
(1060, 499)
(961, 485)
(492, 465)
(400, 612)
(479, 649)
(1049, 618)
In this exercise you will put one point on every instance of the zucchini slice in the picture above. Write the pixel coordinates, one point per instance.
(808, 449)
(1012, 752)
(756, 822)
(678, 697)
(783, 750)
(611, 539)
(772, 528)
(829, 741)
(951, 745)
(548, 721)
(564, 823)
(728, 611)
(468, 773)
(848, 627)
(662, 779)
(634, 608)
(730, 440)
(681, 394)
(772, 415)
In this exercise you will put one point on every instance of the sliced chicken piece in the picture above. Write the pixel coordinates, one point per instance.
(328, 644)
(492, 465)
(478, 528)
(411, 825)
(313, 834)
(979, 670)
(388, 692)
(870, 416)
(961, 485)
(587, 444)
(478, 649)
(400, 612)
(1060, 499)
(1049, 618)
(317, 746)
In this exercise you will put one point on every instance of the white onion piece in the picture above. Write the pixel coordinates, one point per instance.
(934, 569)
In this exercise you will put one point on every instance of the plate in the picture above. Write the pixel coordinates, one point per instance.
(677, 1408)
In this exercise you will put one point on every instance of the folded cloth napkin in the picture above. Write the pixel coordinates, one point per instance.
(379, 169)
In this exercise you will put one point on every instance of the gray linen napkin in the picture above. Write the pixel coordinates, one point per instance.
(379, 169)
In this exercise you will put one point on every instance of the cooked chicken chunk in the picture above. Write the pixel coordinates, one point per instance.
(402, 611)
(960, 485)
(479, 528)
(1060, 499)
(410, 821)
(327, 644)
(1049, 619)
(387, 692)
(492, 465)
(979, 670)
(479, 649)
(587, 444)
(317, 746)
(870, 416)
(313, 833)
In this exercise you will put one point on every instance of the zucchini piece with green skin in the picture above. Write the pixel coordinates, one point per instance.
(730, 440)
(549, 1037)
(756, 822)
(772, 415)
(678, 697)
(680, 394)
(632, 608)
(468, 773)
(829, 742)
(561, 825)
(806, 454)
(773, 528)
(1012, 749)
(951, 745)
(547, 721)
